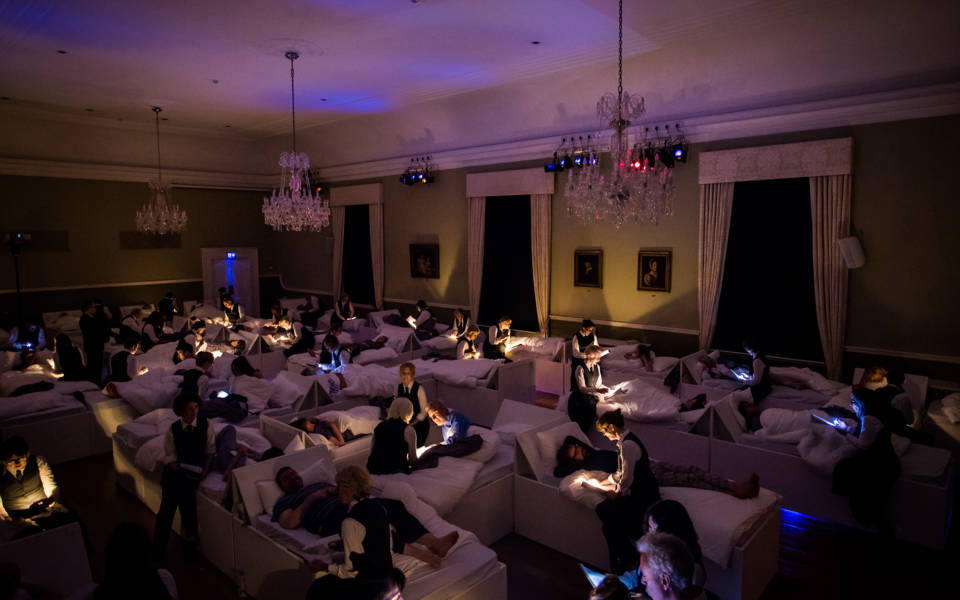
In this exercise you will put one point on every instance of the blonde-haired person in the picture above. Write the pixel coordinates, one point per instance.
(394, 445)
(630, 491)
(587, 389)
(367, 541)
(498, 338)
(412, 390)
(468, 349)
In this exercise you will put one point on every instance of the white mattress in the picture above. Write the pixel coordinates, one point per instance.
(214, 487)
(69, 406)
(497, 467)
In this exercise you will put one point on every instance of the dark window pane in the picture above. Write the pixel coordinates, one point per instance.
(357, 263)
(767, 288)
(507, 287)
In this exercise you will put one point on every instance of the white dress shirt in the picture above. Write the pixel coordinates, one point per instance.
(170, 450)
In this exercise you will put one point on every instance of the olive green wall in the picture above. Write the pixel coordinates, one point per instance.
(94, 212)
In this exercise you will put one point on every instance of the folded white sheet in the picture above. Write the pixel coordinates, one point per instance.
(442, 487)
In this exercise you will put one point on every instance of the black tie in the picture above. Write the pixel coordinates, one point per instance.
(19, 475)
(190, 428)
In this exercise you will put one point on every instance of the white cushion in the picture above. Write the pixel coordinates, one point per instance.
(508, 432)
(269, 492)
(295, 445)
(491, 442)
(550, 440)
(285, 393)
(322, 470)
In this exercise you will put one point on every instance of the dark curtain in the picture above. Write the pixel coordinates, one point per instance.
(357, 263)
(767, 291)
(507, 287)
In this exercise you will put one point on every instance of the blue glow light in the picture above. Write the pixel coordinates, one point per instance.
(678, 152)
(231, 255)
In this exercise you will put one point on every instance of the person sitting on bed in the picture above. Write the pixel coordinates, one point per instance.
(29, 497)
(183, 352)
(412, 390)
(189, 448)
(644, 354)
(195, 338)
(343, 308)
(629, 491)
(69, 359)
(394, 447)
(460, 326)
(758, 381)
(309, 312)
(587, 391)
(277, 313)
(498, 339)
(468, 349)
(868, 476)
(372, 530)
(667, 568)
(331, 355)
(894, 407)
(304, 343)
(328, 428)
(241, 366)
(574, 455)
(585, 337)
(319, 509)
(424, 324)
(122, 364)
(152, 332)
(452, 424)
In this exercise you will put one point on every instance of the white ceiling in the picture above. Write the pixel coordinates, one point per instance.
(448, 73)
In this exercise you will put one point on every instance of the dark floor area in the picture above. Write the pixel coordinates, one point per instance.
(817, 559)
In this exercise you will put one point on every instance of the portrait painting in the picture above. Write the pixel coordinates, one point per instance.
(653, 270)
(588, 268)
(425, 261)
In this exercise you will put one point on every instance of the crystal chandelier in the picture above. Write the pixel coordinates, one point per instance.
(296, 206)
(158, 216)
(636, 186)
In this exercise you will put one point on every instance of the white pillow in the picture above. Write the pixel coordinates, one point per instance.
(257, 391)
(155, 417)
(285, 393)
(269, 493)
(322, 470)
(295, 445)
(491, 442)
(508, 432)
(550, 440)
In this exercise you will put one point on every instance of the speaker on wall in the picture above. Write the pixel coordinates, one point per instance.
(852, 252)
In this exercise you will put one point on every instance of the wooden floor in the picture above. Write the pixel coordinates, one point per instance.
(817, 559)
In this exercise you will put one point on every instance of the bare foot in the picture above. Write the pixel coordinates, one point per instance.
(447, 542)
(748, 488)
(111, 390)
(422, 554)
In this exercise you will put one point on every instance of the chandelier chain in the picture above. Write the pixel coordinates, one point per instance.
(156, 114)
(620, 64)
(293, 103)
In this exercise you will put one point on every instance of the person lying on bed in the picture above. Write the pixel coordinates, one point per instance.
(241, 366)
(588, 390)
(68, 359)
(343, 308)
(460, 326)
(468, 349)
(643, 354)
(328, 428)
(319, 509)
(868, 476)
(498, 339)
(372, 529)
(574, 455)
(394, 447)
(29, 497)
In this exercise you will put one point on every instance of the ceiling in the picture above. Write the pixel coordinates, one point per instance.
(214, 64)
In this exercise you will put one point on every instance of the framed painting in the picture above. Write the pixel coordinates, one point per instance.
(653, 270)
(588, 268)
(425, 261)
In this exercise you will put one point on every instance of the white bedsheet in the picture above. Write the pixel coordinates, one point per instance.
(36, 402)
(150, 454)
(721, 521)
(466, 373)
(376, 355)
(155, 389)
(442, 487)
(641, 401)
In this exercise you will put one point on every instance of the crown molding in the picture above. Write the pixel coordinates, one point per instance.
(878, 107)
(101, 172)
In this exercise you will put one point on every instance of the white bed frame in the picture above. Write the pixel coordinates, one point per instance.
(540, 508)
(257, 556)
(482, 404)
(56, 559)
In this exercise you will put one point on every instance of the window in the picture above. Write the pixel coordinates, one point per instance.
(507, 287)
(767, 291)
(357, 274)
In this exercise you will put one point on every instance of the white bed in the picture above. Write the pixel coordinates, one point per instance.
(741, 551)
(469, 571)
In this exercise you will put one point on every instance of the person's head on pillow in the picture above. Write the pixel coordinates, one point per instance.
(353, 483)
(874, 378)
(308, 424)
(571, 452)
(401, 408)
(748, 409)
(241, 366)
(288, 480)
